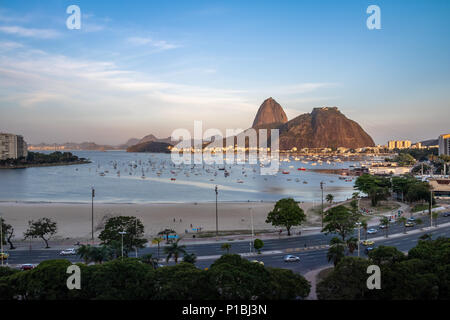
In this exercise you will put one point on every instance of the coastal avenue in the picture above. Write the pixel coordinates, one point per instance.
(315, 256)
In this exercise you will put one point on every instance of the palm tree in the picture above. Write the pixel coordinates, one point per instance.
(100, 254)
(174, 250)
(365, 227)
(402, 220)
(190, 258)
(329, 198)
(385, 223)
(85, 253)
(227, 247)
(157, 241)
(435, 216)
(166, 233)
(352, 244)
(336, 251)
(149, 259)
(355, 195)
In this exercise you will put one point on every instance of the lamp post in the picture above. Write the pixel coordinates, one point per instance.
(92, 215)
(431, 207)
(321, 188)
(122, 233)
(1, 238)
(217, 217)
(253, 233)
(359, 234)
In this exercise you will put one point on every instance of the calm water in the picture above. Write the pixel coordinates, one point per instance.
(73, 183)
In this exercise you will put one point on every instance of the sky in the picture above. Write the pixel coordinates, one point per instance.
(149, 67)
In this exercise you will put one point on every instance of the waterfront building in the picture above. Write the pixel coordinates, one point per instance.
(12, 146)
(444, 144)
(399, 144)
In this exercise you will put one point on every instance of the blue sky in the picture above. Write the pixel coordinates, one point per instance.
(141, 67)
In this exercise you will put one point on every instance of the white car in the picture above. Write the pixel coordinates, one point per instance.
(68, 252)
(372, 231)
(291, 258)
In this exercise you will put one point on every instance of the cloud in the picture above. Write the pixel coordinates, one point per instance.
(30, 32)
(159, 44)
(9, 45)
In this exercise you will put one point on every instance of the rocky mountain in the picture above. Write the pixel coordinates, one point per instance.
(151, 137)
(151, 146)
(270, 112)
(323, 128)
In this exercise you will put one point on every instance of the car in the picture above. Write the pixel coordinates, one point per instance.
(368, 249)
(291, 258)
(68, 252)
(372, 230)
(256, 261)
(446, 214)
(367, 242)
(409, 224)
(4, 255)
(27, 266)
(382, 226)
(412, 219)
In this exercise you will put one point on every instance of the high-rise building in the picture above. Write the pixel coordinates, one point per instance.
(444, 144)
(399, 144)
(12, 146)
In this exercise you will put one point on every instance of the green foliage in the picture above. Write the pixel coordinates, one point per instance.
(43, 228)
(42, 158)
(329, 198)
(190, 258)
(423, 274)
(133, 238)
(174, 251)
(100, 254)
(336, 252)
(286, 213)
(340, 220)
(150, 260)
(226, 247)
(7, 233)
(404, 159)
(258, 244)
(377, 188)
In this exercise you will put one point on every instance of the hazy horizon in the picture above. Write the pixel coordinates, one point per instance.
(142, 67)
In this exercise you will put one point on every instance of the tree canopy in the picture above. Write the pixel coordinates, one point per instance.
(286, 213)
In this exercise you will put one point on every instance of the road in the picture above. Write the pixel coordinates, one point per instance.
(310, 248)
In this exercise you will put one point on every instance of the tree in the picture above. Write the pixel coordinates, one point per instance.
(43, 228)
(150, 260)
(365, 227)
(286, 213)
(329, 198)
(190, 258)
(384, 221)
(133, 237)
(340, 220)
(8, 233)
(419, 222)
(226, 247)
(377, 188)
(165, 233)
(258, 244)
(101, 254)
(383, 255)
(402, 221)
(157, 241)
(336, 252)
(425, 237)
(435, 216)
(352, 244)
(404, 159)
(84, 252)
(174, 250)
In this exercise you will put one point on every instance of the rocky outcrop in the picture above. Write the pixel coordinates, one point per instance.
(270, 112)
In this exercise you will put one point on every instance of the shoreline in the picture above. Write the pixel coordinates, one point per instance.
(39, 165)
(74, 219)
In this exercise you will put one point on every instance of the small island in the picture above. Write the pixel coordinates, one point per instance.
(37, 159)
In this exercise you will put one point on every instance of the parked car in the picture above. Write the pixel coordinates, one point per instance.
(27, 266)
(291, 258)
(368, 249)
(367, 242)
(412, 219)
(372, 231)
(409, 224)
(382, 226)
(446, 214)
(68, 252)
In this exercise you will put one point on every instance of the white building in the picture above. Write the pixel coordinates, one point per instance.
(444, 144)
(12, 146)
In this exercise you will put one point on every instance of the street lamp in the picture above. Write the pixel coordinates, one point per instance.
(217, 217)
(92, 215)
(122, 233)
(1, 238)
(253, 233)
(431, 208)
(321, 188)
(359, 234)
